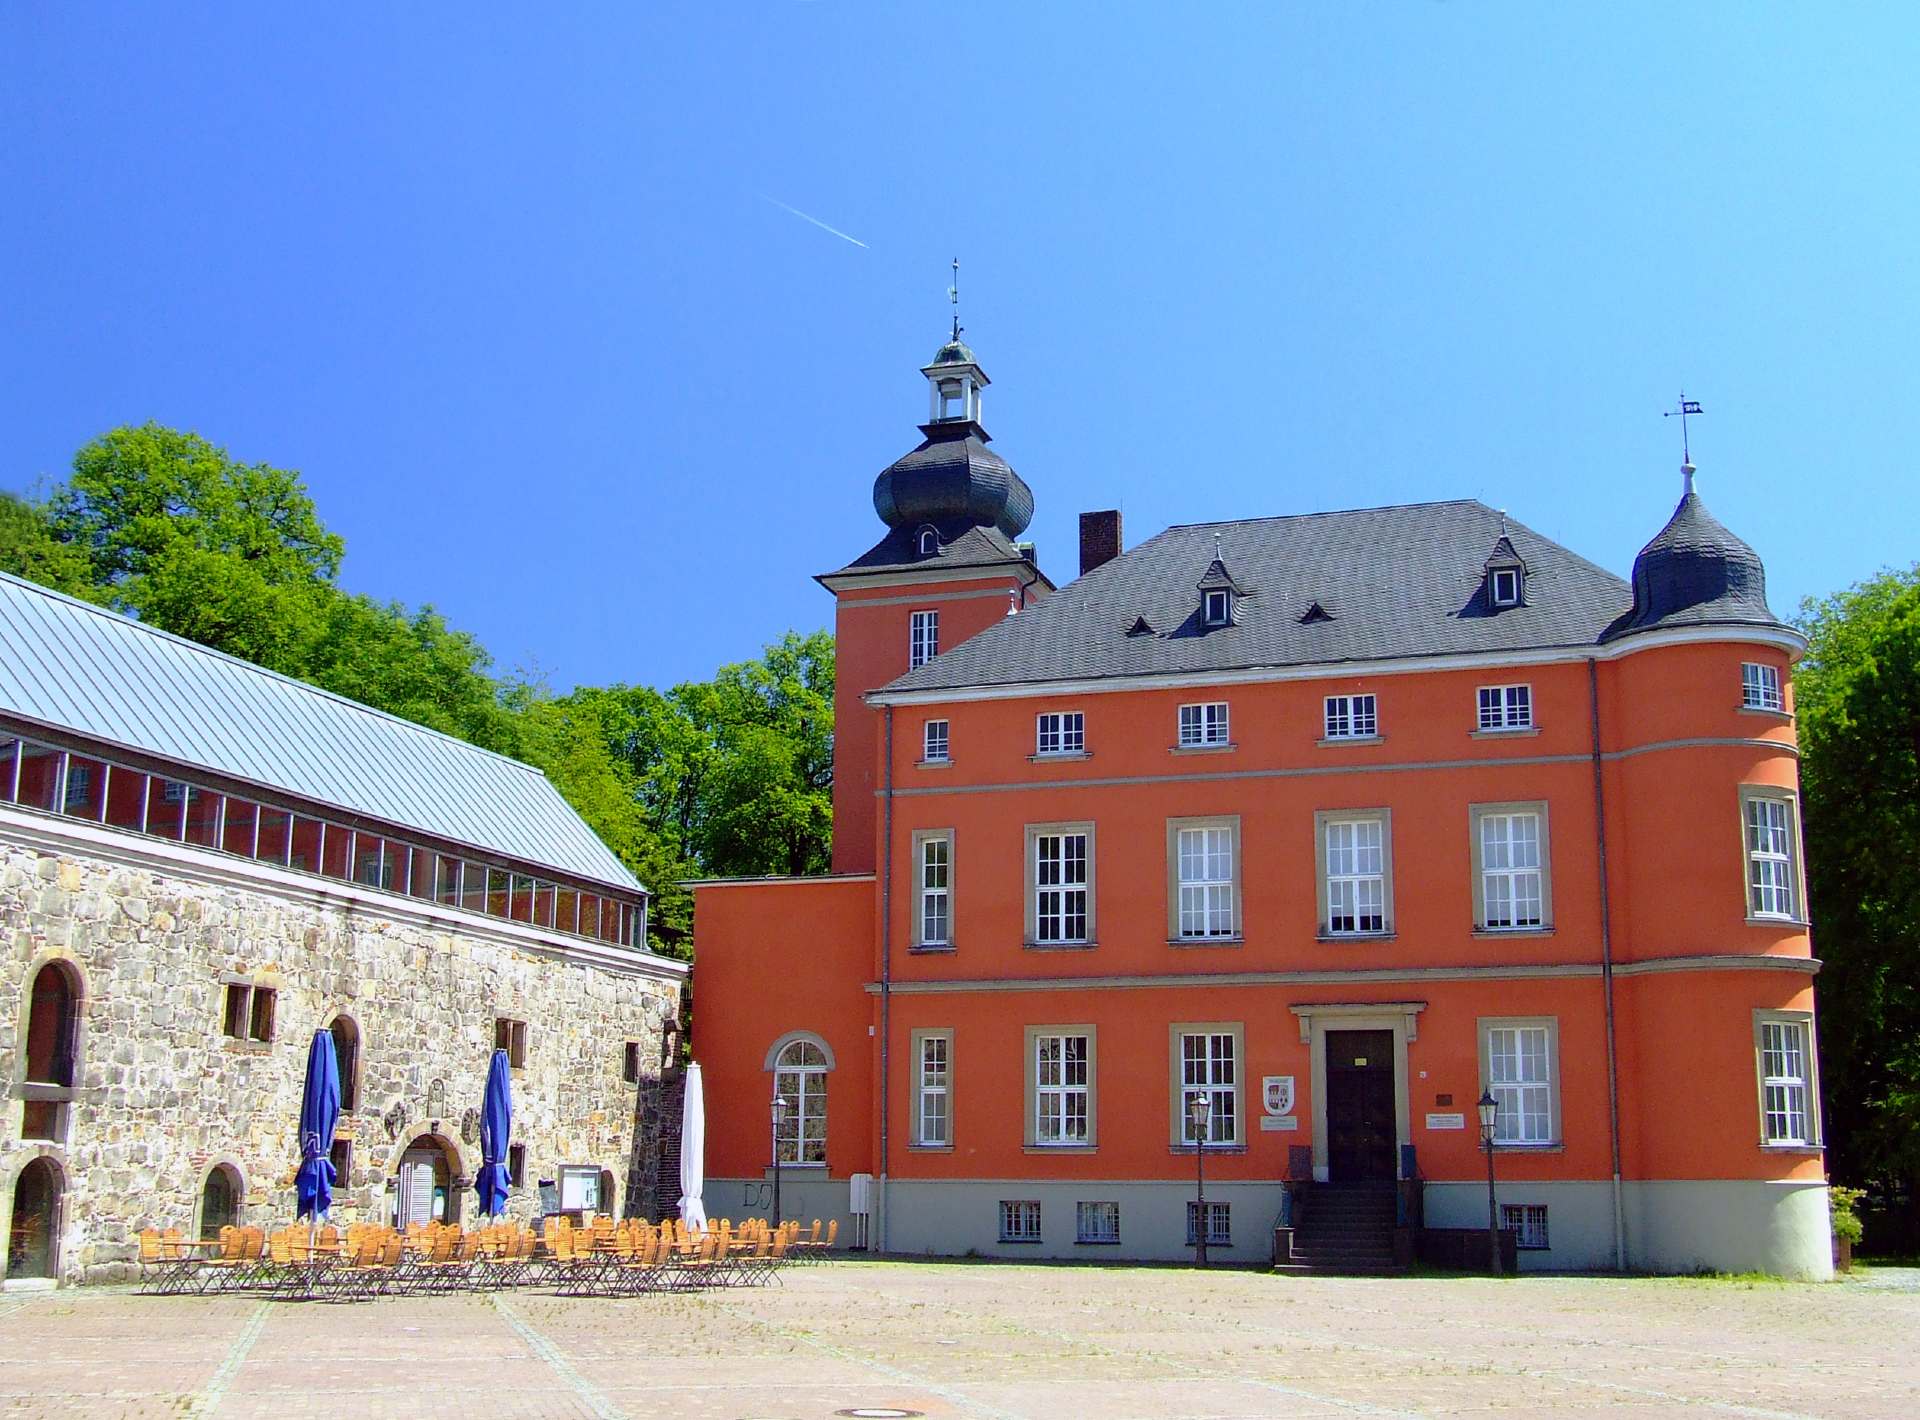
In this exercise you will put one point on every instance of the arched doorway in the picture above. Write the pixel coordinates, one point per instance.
(346, 1054)
(33, 1239)
(424, 1192)
(51, 1027)
(219, 1201)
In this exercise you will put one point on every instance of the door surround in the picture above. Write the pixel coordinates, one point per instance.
(1316, 1019)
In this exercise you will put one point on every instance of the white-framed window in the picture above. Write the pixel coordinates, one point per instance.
(933, 1091)
(1506, 707)
(934, 742)
(929, 542)
(1096, 1222)
(1786, 1079)
(1202, 725)
(1020, 1220)
(1352, 717)
(1518, 1058)
(1062, 1088)
(1760, 687)
(1770, 856)
(1505, 585)
(1204, 868)
(1219, 1223)
(923, 638)
(1528, 1224)
(1060, 732)
(1512, 879)
(1356, 888)
(1210, 1065)
(1062, 874)
(800, 1078)
(935, 889)
(1216, 608)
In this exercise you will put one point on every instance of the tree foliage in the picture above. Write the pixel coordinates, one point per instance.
(723, 777)
(1857, 695)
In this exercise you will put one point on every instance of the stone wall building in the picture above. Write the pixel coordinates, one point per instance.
(201, 865)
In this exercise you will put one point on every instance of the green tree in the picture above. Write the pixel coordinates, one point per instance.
(1857, 695)
(30, 548)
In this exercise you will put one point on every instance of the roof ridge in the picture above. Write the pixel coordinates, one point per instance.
(308, 686)
(1331, 513)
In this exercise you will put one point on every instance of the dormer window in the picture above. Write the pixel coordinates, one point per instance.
(1218, 608)
(1503, 586)
(1506, 573)
(929, 542)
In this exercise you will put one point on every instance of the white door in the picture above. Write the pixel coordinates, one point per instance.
(416, 1189)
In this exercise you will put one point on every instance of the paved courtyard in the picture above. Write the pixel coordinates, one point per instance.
(996, 1341)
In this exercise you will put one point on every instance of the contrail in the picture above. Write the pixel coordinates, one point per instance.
(816, 222)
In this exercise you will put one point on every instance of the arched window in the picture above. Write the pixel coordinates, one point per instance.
(800, 1078)
(219, 1201)
(346, 1054)
(33, 1237)
(52, 1027)
(929, 542)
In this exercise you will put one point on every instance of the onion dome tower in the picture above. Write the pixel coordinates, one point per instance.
(1696, 573)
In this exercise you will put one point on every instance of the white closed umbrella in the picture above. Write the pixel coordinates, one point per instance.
(693, 1146)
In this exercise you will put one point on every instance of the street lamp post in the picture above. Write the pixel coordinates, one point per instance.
(1489, 1113)
(779, 1118)
(1199, 1111)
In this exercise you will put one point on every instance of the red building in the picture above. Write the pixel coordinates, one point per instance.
(1337, 822)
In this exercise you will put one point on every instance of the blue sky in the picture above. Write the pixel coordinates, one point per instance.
(513, 292)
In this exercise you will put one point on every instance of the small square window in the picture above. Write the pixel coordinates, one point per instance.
(1219, 1223)
(1527, 1222)
(1020, 1220)
(1203, 725)
(1060, 732)
(934, 742)
(1097, 1223)
(511, 1036)
(1760, 687)
(248, 1012)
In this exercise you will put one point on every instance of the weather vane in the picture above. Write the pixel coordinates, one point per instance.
(1687, 407)
(953, 294)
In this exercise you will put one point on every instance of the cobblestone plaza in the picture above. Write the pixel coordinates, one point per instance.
(996, 1341)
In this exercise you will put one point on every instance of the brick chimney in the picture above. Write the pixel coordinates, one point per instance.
(1099, 539)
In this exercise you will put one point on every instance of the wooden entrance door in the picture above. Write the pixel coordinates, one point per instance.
(1361, 1126)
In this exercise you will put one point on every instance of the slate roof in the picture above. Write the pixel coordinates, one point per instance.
(1395, 582)
(1696, 573)
(953, 475)
(69, 664)
(899, 551)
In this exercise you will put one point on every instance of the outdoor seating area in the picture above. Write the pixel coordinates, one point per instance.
(601, 1257)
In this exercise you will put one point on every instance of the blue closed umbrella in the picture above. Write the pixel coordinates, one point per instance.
(496, 1131)
(319, 1112)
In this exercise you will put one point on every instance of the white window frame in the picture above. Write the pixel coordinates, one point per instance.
(1216, 607)
(1528, 1224)
(1511, 576)
(933, 888)
(1096, 1222)
(936, 742)
(1770, 852)
(1019, 1220)
(1344, 866)
(1505, 708)
(1060, 886)
(1219, 1222)
(923, 637)
(1789, 1099)
(802, 1082)
(1520, 1065)
(1352, 717)
(1760, 687)
(1500, 876)
(1059, 733)
(1203, 889)
(1061, 1087)
(933, 1089)
(1203, 725)
(1209, 1057)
